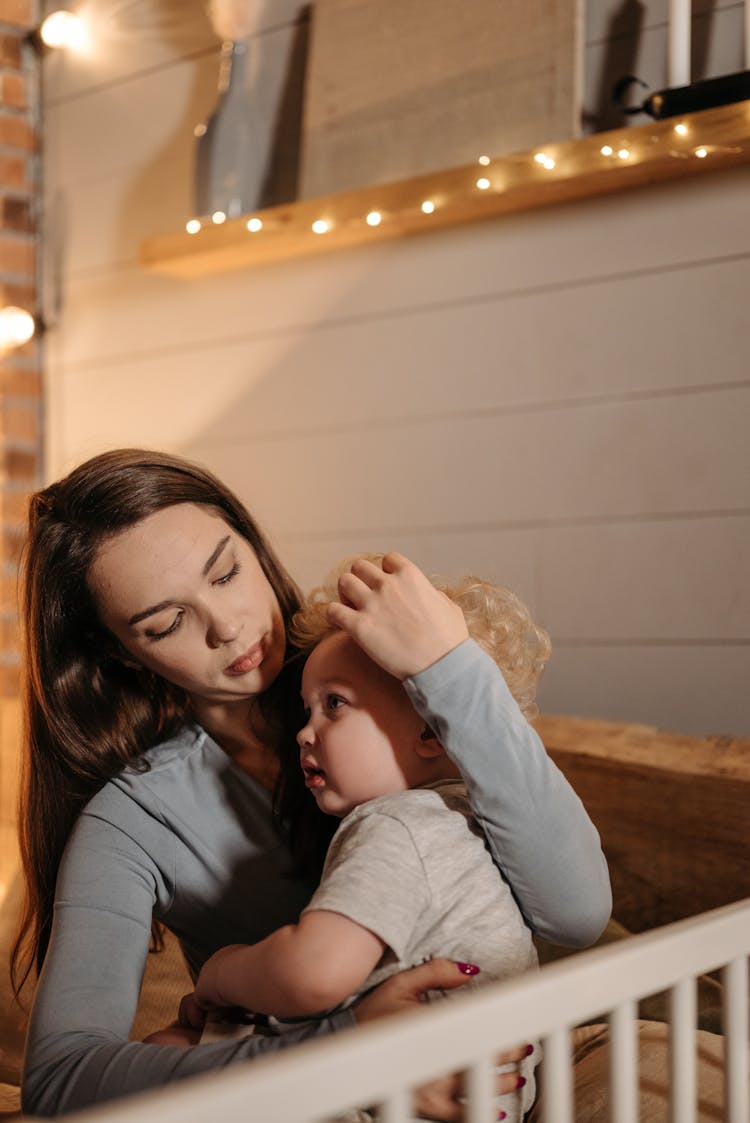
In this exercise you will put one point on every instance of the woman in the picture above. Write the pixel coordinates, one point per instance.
(156, 619)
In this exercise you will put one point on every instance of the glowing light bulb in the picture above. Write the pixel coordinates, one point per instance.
(606, 150)
(483, 183)
(320, 226)
(549, 163)
(218, 217)
(374, 218)
(428, 206)
(681, 130)
(193, 225)
(254, 225)
(16, 327)
(63, 29)
(701, 153)
(623, 154)
(484, 161)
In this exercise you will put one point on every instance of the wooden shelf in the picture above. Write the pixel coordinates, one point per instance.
(654, 152)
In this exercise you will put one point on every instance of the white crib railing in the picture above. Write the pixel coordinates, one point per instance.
(382, 1062)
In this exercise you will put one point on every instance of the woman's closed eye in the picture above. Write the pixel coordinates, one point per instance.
(227, 577)
(167, 631)
(223, 580)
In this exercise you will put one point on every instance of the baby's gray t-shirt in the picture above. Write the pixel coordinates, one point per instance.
(413, 868)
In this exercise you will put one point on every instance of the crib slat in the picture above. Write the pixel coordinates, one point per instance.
(558, 1078)
(397, 1108)
(480, 1090)
(682, 1052)
(734, 978)
(325, 1077)
(623, 1064)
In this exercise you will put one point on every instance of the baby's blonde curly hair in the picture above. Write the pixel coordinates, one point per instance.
(496, 618)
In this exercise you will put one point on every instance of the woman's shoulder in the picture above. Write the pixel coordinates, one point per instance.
(167, 767)
(172, 751)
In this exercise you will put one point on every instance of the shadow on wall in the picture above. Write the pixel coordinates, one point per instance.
(620, 58)
(282, 175)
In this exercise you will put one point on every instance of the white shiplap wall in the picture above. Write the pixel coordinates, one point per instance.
(558, 400)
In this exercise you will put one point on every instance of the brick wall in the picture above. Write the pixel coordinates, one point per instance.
(20, 370)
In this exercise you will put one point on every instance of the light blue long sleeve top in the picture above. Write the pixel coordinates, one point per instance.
(192, 842)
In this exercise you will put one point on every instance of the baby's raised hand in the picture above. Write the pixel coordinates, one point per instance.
(397, 616)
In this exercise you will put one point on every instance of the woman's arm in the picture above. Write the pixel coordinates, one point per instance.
(78, 1053)
(538, 830)
(297, 971)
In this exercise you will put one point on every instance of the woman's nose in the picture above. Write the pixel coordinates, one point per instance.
(222, 630)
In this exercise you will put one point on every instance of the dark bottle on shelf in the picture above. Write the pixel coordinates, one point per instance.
(709, 93)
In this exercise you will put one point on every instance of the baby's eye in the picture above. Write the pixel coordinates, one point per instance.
(334, 701)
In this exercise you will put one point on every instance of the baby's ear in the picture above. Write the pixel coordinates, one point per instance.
(427, 745)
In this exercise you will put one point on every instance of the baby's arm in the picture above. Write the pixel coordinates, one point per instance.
(298, 970)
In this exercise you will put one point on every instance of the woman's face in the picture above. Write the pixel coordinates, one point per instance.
(186, 597)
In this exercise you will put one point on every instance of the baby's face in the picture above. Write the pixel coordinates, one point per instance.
(361, 730)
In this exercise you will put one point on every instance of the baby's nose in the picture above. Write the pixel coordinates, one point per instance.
(305, 735)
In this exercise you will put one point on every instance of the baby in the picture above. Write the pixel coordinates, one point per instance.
(408, 875)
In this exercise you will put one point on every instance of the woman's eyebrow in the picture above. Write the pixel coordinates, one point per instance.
(150, 611)
(136, 619)
(215, 555)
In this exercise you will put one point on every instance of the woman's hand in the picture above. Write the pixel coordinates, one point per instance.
(441, 1099)
(409, 990)
(397, 616)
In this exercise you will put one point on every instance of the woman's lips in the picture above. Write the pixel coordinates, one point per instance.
(247, 662)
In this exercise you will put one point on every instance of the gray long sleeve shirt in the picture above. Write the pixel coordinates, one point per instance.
(192, 842)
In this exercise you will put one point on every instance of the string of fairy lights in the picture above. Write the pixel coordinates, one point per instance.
(626, 151)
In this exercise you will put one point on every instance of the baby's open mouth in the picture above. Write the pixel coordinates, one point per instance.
(314, 777)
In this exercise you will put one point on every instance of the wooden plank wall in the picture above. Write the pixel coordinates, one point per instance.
(558, 400)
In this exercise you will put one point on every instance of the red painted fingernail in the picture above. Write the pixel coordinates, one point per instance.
(529, 1050)
(520, 1082)
(468, 968)
(502, 1115)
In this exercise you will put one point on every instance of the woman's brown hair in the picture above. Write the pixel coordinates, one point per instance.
(87, 714)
